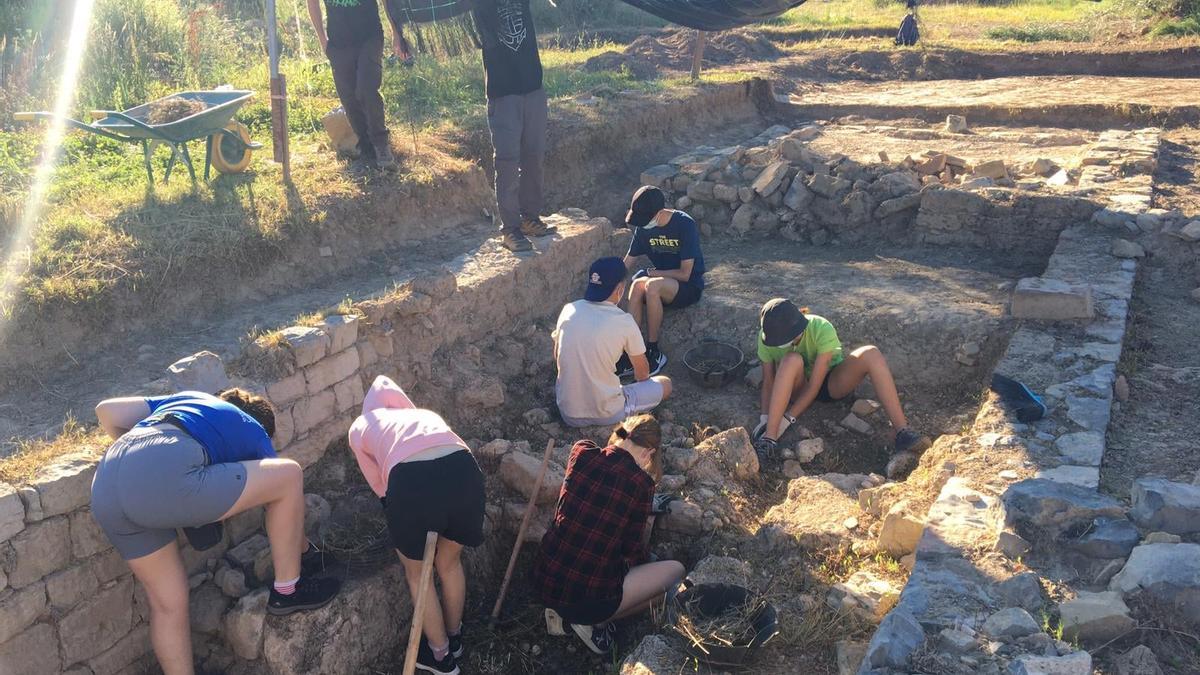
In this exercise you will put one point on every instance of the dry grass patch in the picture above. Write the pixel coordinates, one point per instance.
(20, 467)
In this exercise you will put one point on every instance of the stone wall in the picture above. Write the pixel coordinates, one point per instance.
(68, 603)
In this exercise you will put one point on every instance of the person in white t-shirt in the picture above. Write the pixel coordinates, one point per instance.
(591, 335)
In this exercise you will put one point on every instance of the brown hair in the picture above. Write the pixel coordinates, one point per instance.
(642, 430)
(253, 405)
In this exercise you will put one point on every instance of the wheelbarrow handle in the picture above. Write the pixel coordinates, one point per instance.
(82, 126)
(25, 116)
(98, 115)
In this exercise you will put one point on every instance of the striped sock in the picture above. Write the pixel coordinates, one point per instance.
(286, 587)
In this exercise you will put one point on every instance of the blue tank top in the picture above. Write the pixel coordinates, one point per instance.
(227, 433)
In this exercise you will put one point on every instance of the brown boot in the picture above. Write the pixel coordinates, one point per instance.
(534, 227)
(515, 242)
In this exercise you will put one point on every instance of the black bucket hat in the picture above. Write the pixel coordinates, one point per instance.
(781, 322)
(646, 204)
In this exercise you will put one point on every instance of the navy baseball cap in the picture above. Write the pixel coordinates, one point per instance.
(781, 322)
(646, 204)
(603, 277)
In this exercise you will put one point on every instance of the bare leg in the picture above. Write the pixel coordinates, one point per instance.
(165, 580)
(454, 582)
(279, 484)
(433, 625)
(863, 362)
(667, 387)
(646, 585)
(789, 379)
(659, 291)
(637, 299)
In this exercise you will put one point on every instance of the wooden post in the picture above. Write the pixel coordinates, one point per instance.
(512, 560)
(419, 602)
(279, 128)
(698, 53)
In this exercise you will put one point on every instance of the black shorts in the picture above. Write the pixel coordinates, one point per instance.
(823, 394)
(589, 612)
(688, 294)
(443, 495)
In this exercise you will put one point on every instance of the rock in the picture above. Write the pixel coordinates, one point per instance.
(1059, 178)
(658, 176)
(33, 652)
(1111, 218)
(519, 471)
(900, 530)
(232, 582)
(206, 606)
(1085, 448)
(770, 179)
(745, 194)
(1039, 507)
(494, 449)
(1106, 538)
(483, 392)
(864, 407)
(857, 424)
(203, 371)
(734, 449)
(653, 656)
(1012, 545)
(798, 196)
(672, 482)
(681, 460)
(1013, 622)
(1093, 618)
(718, 569)
(537, 417)
(1051, 300)
(12, 513)
(701, 191)
(808, 448)
(1159, 504)
(828, 186)
(956, 124)
(1189, 232)
(1043, 167)
(1079, 663)
(956, 641)
(685, 518)
(864, 594)
(38, 550)
(316, 512)
(1138, 661)
(850, 655)
(792, 469)
(1123, 248)
(1161, 538)
(898, 636)
(725, 193)
(1022, 590)
(995, 169)
(244, 625)
(743, 218)
(1121, 389)
(754, 377)
(1169, 572)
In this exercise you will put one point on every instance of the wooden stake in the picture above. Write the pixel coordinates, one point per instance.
(414, 631)
(698, 53)
(512, 561)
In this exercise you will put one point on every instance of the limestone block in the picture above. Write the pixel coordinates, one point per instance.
(66, 588)
(232, 582)
(1159, 504)
(244, 625)
(97, 623)
(244, 525)
(898, 636)
(206, 606)
(34, 652)
(1079, 663)
(19, 609)
(203, 371)
(342, 330)
(1012, 622)
(65, 484)
(1041, 507)
(828, 186)
(770, 179)
(864, 594)
(1084, 448)
(519, 471)
(32, 502)
(287, 390)
(653, 656)
(1138, 661)
(126, 651)
(40, 549)
(685, 517)
(701, 191)
(1106, 538)
(1083, 476)
(108, 566)
(849, 655)
(1123, 248)
(900, 530)
(1169, 572)
(956, 124)
(87, 539)
(1092, 618)
(807, 449)
(348, 393)
(734, 450)
(1051, 300)
(658, 176)
(798, 196)
(285, 427)
(308, 345)
(857, 424)
(244, 555)
(680, 460)
(718, 569)
(310, 412)
(1022, 590)
(12, 512)
(329, 371)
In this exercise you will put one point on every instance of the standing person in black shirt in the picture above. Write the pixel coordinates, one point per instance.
(516, 115)
(354, 45)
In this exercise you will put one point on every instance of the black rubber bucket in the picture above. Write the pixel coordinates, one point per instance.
(709, 600)
(713, 363)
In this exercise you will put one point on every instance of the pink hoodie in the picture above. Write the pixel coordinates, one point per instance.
(391, 429)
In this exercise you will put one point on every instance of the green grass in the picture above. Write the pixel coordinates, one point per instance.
(1039, 33)
(1187, 27)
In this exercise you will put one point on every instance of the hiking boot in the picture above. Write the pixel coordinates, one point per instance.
(426, 662)
(909, 446)
(900, 465)
(766, 448)
(315, 561)
(624, 366)
(384, 159)
(310, 594)
(908, 440)
(456, 643)
(599, 639)
(515, 242)
(534, 227)
(657, 359)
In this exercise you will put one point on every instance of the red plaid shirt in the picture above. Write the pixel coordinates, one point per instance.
(597, 532)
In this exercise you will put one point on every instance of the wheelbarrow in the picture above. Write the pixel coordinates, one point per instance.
(227, 144)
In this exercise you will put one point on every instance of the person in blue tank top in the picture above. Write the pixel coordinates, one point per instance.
(671, 240)
(190, 460)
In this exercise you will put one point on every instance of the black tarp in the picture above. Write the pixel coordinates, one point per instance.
(699, 14)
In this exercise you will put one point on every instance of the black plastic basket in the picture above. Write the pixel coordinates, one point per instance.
(706, 600)
(713, 363)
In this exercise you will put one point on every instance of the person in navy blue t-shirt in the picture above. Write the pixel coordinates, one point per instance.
(190, 460)
(671, 240)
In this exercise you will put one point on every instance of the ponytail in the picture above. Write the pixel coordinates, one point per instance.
(642, 430)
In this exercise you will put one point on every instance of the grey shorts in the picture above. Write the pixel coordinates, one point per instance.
(640, 397)
(153, 480)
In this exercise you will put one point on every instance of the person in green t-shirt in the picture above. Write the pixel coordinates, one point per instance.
(803, 361)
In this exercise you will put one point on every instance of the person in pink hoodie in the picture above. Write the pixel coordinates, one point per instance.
(428, 480)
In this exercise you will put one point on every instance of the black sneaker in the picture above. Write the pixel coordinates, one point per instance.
(310, 594)
(534, 227)
(657, 359)
(384, 159)
(766, 448)
(599, 639)
(456, 643)
(908, 440)
(515, 242)
(426, 662)
(624, 366)
(314, 561)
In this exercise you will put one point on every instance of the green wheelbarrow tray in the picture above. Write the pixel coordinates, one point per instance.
(132, 126)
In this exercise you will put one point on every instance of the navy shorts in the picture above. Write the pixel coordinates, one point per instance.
(687, 295)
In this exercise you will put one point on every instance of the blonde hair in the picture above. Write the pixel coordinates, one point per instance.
(642, 430)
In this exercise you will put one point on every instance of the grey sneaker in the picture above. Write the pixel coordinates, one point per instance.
(384, 159)
(599, 639)
(534, 227)
(515, 242)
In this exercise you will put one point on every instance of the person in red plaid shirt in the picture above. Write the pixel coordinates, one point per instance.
(588, 567)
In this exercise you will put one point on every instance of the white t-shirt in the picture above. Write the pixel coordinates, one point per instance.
(588, 341)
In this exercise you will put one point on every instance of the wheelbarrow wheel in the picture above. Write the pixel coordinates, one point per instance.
(229, 155)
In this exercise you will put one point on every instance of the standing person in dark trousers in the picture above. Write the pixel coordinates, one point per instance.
(354, 45)
(517, 110)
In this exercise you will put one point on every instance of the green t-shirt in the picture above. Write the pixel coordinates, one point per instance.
(819, 337)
